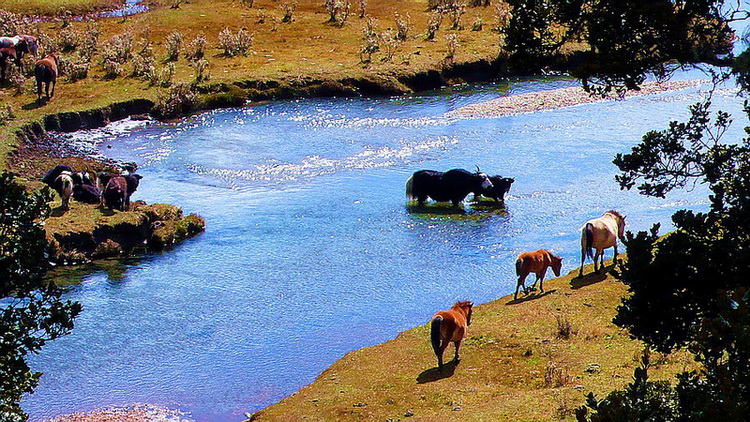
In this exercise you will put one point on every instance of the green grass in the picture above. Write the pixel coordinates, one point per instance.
(511, 347)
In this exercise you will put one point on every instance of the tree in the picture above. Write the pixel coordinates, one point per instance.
(689, 288)
(32, 309)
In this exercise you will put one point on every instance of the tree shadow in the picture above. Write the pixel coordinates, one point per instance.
(532, 296)
(434, 374)
(58, 212)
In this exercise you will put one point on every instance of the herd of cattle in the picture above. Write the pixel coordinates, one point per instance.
(109, 189)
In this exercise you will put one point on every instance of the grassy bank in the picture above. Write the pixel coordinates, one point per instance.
(56, 7)
(530, 359)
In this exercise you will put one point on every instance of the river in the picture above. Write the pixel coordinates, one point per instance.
(311, 250)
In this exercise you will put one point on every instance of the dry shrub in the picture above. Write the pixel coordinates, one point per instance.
(556, 376)
(235, 44)
(403, 25)
(12, 23)
(338, 11)
(287, 8)
(68, 39)
(197, 48)
(451, 42)
(144, 66)
(173, 45)
(177, 100)
(115, 53)
(477, 25)
(564, 327)
(479, 3)
(433, 25)
(389, 45)
(74, 67)
(201, 71)
(362, 8)
(162, 77)
(6, 114)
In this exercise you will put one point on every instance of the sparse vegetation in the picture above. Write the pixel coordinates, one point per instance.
(173, 45)
(235, 44)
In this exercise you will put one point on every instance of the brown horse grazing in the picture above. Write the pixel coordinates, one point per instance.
(601, 233)
(450, 326)
(45, 72)
(536, 262)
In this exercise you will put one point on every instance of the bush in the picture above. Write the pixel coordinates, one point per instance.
(338, 11)
(201, 71)
(144, 66)
(235, 44)
(162, 77)
(177, 100)
(451, 42)
(402, 27)
(197, 48)
(173, 45)
(118, 49)
(288, 7)
(436, 19)
(6, 115)
(74, 67)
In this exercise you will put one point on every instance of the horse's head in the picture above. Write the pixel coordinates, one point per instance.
(32, 45)
(465, 308)
(556, 264)
(620, 223)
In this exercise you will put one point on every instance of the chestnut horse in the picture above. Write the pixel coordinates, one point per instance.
(601, 233)
(536, 262)
(450, 326)
(45, 72)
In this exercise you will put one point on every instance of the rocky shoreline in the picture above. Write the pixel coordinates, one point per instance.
(558, 98)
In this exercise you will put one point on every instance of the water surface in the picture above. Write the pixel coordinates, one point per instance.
(310, 249)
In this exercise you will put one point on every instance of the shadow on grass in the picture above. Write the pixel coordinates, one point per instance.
(34, 104)
(58, 212)
(532, 296)
(593, 278)
(434, 374)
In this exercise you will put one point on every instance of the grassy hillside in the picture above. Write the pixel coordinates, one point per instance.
(518, 363)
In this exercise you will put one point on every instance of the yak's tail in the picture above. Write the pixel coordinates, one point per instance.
(588, 234)
(410, 188)
(519, 264)
(435, 336)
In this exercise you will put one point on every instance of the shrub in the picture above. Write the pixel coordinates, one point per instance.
(173, 45)
(112, 69)
(455, 10)
(402, 27)
(564, 327)
(118, 49)
(338, 11)
(74, 67)
(162, 77)
(479, 3)
(6, 114)
(201, 71)
(555, 376)
(90, 40)
(235, 44)
(144, 66)
(436, 19)
(288, 7)
(177, 100)
(477, 25)
(362, 8)
(197, 48)
(68, 39)
(387, 40)
(451, 42)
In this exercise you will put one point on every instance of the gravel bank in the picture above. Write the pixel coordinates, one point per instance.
(557, 98)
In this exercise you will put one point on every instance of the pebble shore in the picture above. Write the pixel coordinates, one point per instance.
(557, 98)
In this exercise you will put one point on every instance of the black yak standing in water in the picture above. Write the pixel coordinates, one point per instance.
(500, 186)
(452, 185)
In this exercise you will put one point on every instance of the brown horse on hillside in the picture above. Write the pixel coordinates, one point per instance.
(45, 72)
(450, 326)
(536, 262)
(601, 233)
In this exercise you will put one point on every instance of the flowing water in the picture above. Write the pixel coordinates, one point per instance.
(311, 250)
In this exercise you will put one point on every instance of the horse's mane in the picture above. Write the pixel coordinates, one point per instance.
(616, 214)
(464, 304)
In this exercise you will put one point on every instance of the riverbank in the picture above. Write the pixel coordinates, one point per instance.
(528, 359)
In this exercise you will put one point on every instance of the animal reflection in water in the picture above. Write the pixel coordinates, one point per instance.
(536, 262)
(601, 233)
(452, 185)
(450, 326)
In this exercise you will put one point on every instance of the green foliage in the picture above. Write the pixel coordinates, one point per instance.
(641, 400)
(626, 39)
(32, 311)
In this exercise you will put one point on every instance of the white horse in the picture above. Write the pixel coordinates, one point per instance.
(601, 233)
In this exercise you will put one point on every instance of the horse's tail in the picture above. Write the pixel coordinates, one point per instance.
(519, 264)
(588, 234)
(410, 188)
(435, 336)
